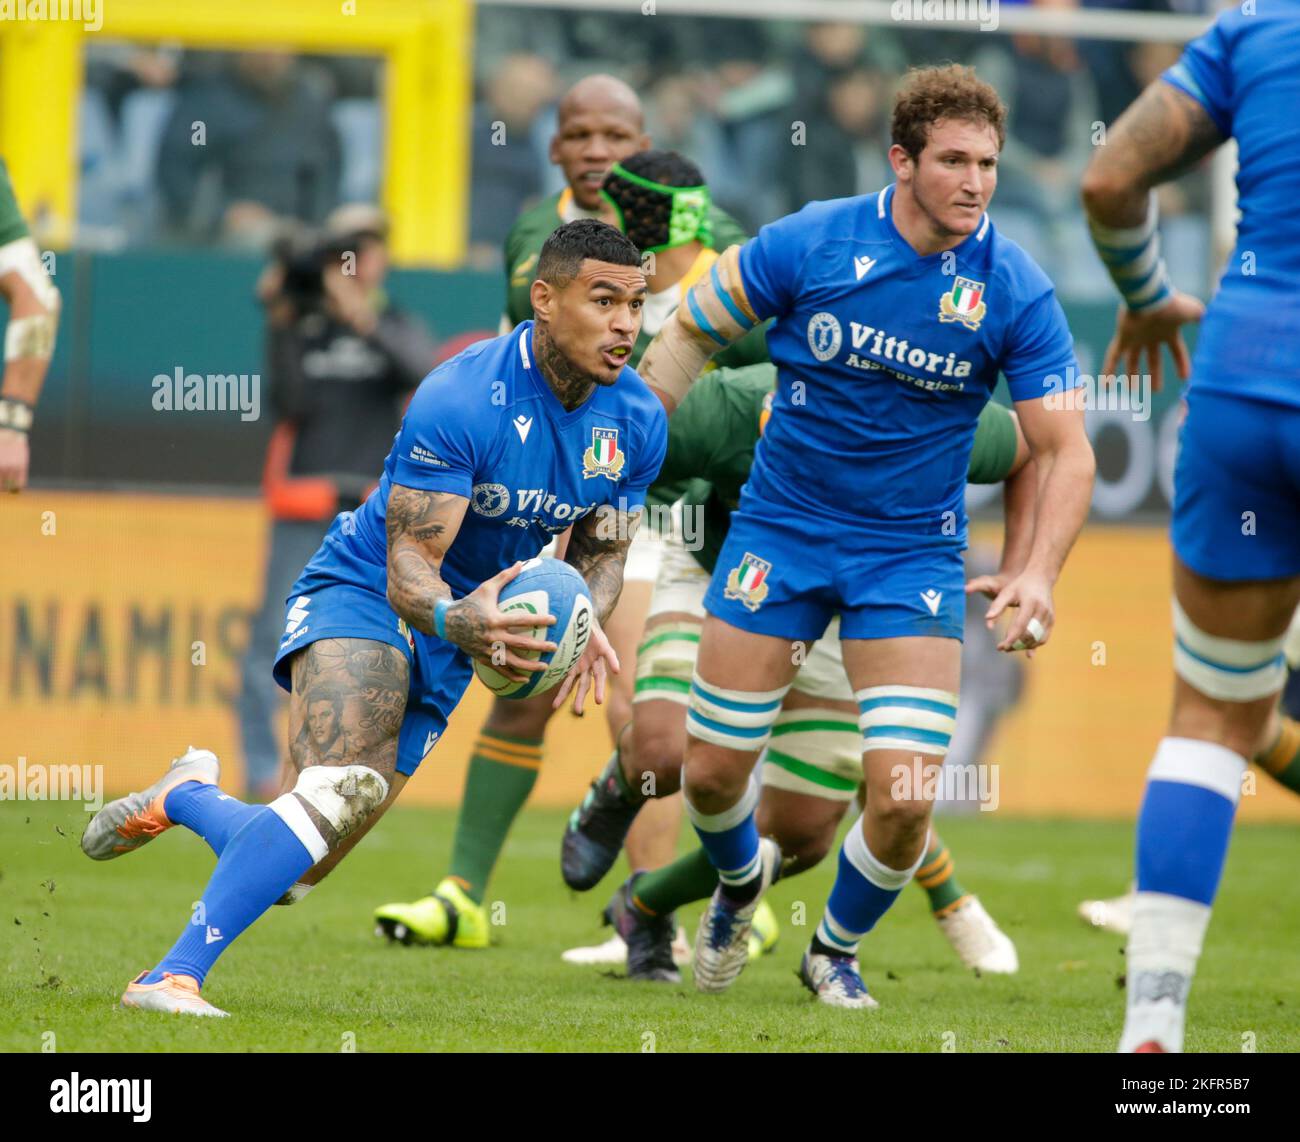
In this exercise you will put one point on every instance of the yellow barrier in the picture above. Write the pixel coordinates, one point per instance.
(426, 46)
(123, 620)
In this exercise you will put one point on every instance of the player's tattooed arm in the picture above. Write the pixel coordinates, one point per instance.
(1164, 133)
(421, 527)
(598, 549)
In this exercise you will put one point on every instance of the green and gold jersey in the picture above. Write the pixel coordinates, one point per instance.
(532, 228)
(12, 226)
(711, 439)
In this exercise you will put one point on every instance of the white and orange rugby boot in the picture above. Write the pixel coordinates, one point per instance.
(131, 822)
(175, 994)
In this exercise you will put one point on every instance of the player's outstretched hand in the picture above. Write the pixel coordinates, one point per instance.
(1031, 595)
(486, 633)
(589, 671)
(1141, 334)
(13, 460)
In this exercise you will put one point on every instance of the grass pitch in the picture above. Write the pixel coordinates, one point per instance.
(314, 978)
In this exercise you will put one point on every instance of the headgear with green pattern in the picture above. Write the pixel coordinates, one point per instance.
(660, 199)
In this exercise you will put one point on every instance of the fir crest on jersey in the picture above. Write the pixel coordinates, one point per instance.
(748, 582)
(964, 303)
(604, 457)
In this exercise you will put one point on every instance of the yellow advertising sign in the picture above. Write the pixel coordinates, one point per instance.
(123, 621)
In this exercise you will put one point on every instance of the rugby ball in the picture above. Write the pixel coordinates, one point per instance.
(544, 587)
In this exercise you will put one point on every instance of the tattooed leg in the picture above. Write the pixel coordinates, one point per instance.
(348, 701)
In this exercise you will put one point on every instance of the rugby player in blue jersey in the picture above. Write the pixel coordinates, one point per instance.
(1236, 516)
(497, 453)
(893, 314)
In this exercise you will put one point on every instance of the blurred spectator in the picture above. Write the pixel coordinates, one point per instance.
(341, 363)
(507, 157)
(842, 102)
(262, 131)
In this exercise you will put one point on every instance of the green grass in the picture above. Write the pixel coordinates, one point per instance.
(301, 979)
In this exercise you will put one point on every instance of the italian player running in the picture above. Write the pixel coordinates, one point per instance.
(1236, 516)
(384, 621)
(812, 768)
(893, 314)
(661, 201)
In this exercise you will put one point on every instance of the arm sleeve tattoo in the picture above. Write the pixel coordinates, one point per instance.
(421, 527)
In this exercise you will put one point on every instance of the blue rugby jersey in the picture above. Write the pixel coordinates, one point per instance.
(486, 425)
(1245, 72)
(885, 359)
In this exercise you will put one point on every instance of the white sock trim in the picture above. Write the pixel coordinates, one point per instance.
(289, 809)
(728, 818)
(881, 875)
(1205, 764)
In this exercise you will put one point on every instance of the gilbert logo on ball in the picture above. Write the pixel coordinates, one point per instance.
(544, 587)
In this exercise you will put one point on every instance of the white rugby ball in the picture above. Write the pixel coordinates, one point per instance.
(544, 587)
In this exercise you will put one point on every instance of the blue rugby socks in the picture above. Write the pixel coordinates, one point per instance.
(863, 891)
(1182, 842)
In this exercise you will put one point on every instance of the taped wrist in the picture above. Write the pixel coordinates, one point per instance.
(1132, 257)
(16, 415)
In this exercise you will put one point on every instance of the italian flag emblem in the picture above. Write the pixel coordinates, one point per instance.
(603, 458)
(748, 582)
(964, 303)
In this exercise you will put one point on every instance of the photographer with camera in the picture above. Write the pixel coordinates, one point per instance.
(342, 362)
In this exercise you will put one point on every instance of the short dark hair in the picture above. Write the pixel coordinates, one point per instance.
(667, 167)
(929, 95)
(571, 244)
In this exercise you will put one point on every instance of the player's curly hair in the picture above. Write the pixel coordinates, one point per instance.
(929, 95)
(565, 250)
(645, 213)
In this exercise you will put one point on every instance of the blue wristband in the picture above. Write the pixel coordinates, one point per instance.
(440, 609)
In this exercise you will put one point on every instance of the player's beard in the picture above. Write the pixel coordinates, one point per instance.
(571, 384)
(931, 205)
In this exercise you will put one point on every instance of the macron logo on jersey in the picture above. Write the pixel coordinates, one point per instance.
(862, 267)
(522, 425)
(932, 599)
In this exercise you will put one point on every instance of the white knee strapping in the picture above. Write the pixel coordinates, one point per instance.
(1229, 669)
(881, 875)
(733, 719)
(912, 718)
(345, 795)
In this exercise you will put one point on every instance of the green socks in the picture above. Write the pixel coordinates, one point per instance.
(936, 876)
(1282, 760)
(688, 878)
(502, 772)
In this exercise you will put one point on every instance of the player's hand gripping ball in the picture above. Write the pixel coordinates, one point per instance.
(544, 587)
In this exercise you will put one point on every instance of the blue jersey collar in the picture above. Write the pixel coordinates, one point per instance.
(528, 363)
(885, 214)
